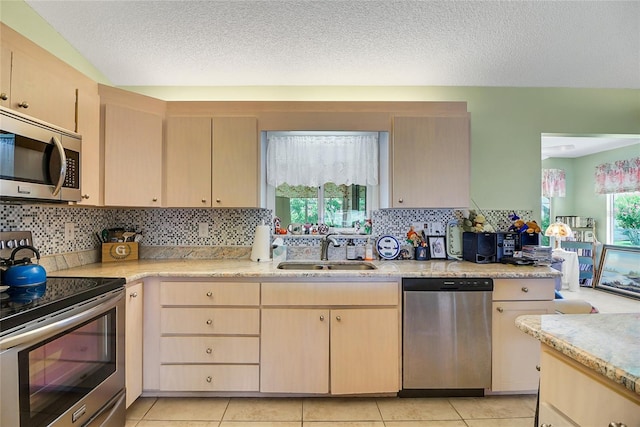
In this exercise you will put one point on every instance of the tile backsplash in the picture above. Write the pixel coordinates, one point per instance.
(165, 228)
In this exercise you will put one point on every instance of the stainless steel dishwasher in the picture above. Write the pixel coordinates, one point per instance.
(446, 333)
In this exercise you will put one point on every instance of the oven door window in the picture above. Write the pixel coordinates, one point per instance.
(57, 373)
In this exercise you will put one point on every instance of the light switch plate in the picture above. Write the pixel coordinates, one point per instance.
(203, 229)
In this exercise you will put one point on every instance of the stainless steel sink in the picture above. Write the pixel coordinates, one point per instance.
(326, 265)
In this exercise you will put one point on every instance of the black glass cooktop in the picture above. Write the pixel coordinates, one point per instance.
(19, 305)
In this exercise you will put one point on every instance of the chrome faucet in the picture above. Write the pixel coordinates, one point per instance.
(324, 246)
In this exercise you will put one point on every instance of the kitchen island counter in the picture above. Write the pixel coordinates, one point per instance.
(607, 344)
(140, 269)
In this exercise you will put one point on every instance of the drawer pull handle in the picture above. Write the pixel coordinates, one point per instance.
(209, 379)
(133, 295)
(24, 104)
(209, 294)
(617, 425)
(322, 318)
(500, 309)
(525, 289)
(209, 350)
(209, 322)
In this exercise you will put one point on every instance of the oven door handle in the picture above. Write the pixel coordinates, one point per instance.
(61, 325)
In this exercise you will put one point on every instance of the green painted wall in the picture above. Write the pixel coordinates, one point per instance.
(506, 123)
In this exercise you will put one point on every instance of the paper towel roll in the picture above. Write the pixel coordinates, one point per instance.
(261, 244)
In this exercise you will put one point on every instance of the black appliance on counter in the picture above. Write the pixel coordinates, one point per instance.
(62, 353)
(485, 248)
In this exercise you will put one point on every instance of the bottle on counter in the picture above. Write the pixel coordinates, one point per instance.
(368, 250)
(351, 250)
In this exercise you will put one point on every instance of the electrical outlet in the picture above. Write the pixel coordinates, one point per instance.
(69, 231)
(203, 229)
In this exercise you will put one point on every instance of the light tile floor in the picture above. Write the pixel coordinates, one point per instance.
(494, 411)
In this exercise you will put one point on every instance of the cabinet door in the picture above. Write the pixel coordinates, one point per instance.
(188, 162)
(133, 157)
(364, 351)
(38, 91)
(294, 351)
(133, 342)
(515, 355)
(235, 170)
(431, 162)
(5, 75)
(89, 128)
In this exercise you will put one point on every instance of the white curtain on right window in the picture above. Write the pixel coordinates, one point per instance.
(313, 160)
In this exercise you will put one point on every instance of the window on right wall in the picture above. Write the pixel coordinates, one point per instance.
(623, 217)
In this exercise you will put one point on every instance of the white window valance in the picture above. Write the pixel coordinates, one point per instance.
(313, 160)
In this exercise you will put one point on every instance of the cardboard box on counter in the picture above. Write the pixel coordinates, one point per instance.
(123, 251)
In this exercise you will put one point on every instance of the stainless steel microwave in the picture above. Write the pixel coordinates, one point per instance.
(38, 161)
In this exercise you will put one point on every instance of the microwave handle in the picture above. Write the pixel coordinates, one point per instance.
(63, 165)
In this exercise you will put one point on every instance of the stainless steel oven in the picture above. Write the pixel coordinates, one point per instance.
(66, 367)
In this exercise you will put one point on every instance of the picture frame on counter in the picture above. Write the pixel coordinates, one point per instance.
(437, 247)
(619, 270)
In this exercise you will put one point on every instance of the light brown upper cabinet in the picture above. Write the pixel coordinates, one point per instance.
(212, 162)
(132, 157)
(36, 83)
(430, 162)
(89, 127)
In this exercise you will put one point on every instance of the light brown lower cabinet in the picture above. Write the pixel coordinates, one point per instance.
(514, 354)
(208, 336)
(330, 349)
(573, 395)
(134, 313)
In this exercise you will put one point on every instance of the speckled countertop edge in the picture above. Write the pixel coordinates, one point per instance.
(608, 344)
(135, 270)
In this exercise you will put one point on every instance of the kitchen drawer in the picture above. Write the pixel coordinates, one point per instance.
(523, 289)
(330, 293)
(209, 349)
(209, 293)
(209, 378)
(201, 320)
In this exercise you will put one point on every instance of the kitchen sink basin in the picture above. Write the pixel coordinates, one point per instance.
(326, 265)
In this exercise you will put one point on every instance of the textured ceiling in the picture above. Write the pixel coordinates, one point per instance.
(594, 44)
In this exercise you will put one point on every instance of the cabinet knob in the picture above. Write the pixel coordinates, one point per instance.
(338, 318)
(546, 425)
(155, 199)
(133, 295)
(204, 200)
(209, 322)
(209, 379)
(209, 294)
(209, 350)
(612, 424)
(322, 318)
(500, 309)
(23, 104)
(3, 96)
(400, 200)
(85, 196)
(525, 289)
(218, 200)
(538, 368)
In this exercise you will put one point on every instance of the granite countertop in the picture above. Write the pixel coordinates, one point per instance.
(135, 270)
(609, 344)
